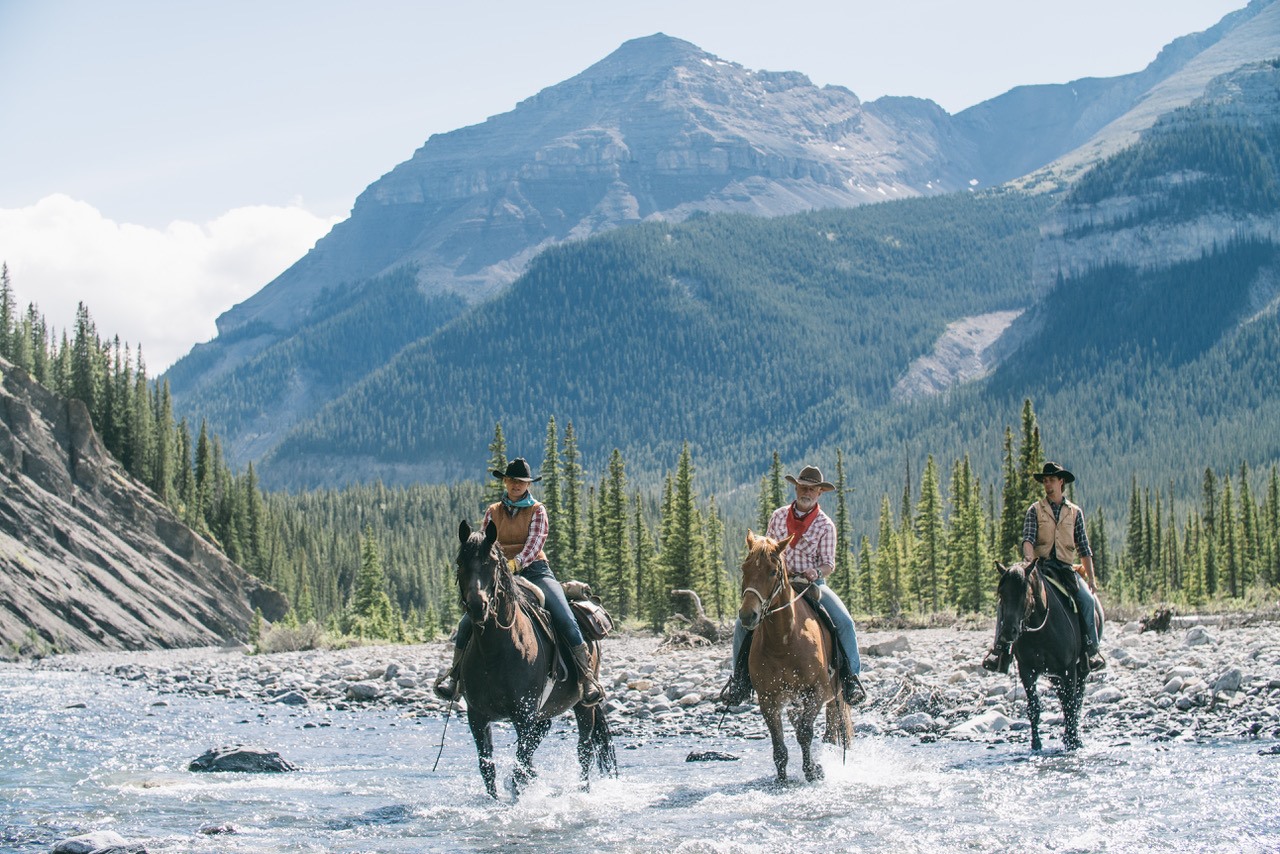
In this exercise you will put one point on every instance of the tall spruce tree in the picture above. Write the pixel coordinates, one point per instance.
(556, 545)
(497, 462)
(616, 539)
(931, 534)
(843, 582)
(574, 539)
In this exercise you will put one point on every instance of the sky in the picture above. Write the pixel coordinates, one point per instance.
(162, 161)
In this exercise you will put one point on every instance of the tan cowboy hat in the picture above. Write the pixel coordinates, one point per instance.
(811, 476)
(1054, 470)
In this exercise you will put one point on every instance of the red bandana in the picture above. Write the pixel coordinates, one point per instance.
(797, 527)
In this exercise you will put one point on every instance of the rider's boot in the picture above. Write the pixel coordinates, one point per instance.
(854, 693)
(592, 692)
(447, 685)
(1096, 661)
(997, 660)
(738, 689)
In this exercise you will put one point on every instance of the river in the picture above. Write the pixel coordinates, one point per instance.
(366, 784)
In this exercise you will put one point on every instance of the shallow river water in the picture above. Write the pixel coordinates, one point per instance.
(366, 784)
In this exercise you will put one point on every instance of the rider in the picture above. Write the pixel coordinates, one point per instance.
(1053, 532)
(812, 556)
(522, 530)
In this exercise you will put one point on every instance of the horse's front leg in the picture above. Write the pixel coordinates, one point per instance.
(1072, 704)
(483, 736)
(803, 722)
(529, 734)
(1033, 705)
(772, 711)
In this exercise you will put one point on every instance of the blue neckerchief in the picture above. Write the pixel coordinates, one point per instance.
(527, 501)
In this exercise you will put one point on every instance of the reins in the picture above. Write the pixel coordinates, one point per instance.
(1047, 605)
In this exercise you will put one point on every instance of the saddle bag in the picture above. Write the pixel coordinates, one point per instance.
(592, 617)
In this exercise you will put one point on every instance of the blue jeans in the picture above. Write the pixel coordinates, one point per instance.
(840, 618)
(562, 619)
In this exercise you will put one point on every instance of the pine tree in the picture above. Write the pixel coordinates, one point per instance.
(681, 550)
(718, 581)
(772, 494)
(931, 552)
(573, 542)
(8, 316)
(371, 612)
(888, 591)
(866, 576)
(648, 583)
(843, 582)
(497, 462)
(1229, 540)
(615, 537)
(1013, 507)
(556, 547)
(203, 481)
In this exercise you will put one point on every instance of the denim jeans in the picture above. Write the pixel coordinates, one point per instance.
(562, 619)
(840, 618)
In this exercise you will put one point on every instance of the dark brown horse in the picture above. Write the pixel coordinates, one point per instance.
(1039, 621)
(507, 670)
(791, 657)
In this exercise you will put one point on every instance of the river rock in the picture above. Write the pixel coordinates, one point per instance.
(364, 691)
(253, 760)
(89, 842)
(291, 698)
(888, 647)
(1229, 681)
(917, 722)
(989, 721)
(1197, 636)
(1106, 694)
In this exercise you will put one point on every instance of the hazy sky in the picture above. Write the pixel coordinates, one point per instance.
(162, 160)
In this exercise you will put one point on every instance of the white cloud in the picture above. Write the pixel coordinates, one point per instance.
(161, 288)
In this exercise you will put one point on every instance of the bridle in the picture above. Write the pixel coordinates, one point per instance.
(493, 559)
(1030, 599)
(780, 581)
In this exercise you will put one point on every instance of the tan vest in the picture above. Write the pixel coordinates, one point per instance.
(1059, 534)
(513, 531)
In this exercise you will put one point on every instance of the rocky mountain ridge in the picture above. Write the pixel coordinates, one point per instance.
(89, 559)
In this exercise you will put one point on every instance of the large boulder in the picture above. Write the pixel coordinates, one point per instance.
(250, 760)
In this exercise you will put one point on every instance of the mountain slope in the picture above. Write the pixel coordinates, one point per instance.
(89, 559)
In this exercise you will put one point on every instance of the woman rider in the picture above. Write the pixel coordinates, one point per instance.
(522, 530)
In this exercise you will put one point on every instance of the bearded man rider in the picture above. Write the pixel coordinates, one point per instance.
(811, 554)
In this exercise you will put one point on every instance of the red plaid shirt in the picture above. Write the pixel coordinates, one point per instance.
(539, 527)
(816, 550)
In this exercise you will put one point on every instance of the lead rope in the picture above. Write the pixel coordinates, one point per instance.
(443, 731)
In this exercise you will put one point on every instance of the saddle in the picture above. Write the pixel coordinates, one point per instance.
(593, 619)
(813, 596)
(534, 603)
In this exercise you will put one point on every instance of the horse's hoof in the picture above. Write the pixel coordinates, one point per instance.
(814, 774)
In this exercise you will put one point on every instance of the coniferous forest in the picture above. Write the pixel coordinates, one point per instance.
(376, 562)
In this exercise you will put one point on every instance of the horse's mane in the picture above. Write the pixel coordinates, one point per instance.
(504, 582)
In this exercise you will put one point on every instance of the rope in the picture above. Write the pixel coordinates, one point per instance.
(443, 731)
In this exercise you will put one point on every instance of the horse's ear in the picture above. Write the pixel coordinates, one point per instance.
(783, 543)
(1002, 568)
(751, 539)
(490, 534)
(464, 531)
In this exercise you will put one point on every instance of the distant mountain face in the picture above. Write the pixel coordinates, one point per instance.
(659, 130)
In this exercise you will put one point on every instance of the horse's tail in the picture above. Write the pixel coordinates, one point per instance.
(602, 744)
(839, 724)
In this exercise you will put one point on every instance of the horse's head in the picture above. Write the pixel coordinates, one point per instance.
(1015, 595)
(764, 572)
(478, 568)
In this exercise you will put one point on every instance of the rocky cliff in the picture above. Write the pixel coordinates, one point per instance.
(89, 559)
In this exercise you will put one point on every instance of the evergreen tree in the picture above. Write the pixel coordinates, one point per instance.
(888, 590)
(8, 315)
(556, 546)
(497, 462)
(615, 538)
(843, 582)
(718, 581)
(1013, 507)
(931, 552)
(648, 580)
(371, 613)
(866, 576)
(681, 550)
(772, 494)
(573, 542)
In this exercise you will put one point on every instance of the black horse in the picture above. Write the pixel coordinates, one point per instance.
(1039, 621)
(507, 671)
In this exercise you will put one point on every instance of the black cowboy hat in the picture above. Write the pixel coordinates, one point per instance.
(811, 476)
(517, 469)
(1054, 470)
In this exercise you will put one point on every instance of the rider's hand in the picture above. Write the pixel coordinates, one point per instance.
(513, 565)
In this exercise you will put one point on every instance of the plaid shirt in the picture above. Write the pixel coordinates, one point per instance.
(539, 527)
(816, 550)
(1031, 529)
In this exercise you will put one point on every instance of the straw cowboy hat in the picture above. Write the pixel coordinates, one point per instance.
(517, 469)
(811, 476)
(1054, 470)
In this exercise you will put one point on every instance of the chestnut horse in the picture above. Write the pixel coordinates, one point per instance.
(791, 660)
(506, 671)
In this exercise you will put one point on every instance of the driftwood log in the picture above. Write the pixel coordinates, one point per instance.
(690, 606)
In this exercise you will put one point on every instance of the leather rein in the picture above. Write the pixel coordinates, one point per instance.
(1033, 599)
(782, 581)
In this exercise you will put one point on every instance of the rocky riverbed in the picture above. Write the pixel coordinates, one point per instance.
(1191, 682)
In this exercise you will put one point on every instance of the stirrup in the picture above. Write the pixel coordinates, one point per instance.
(447, 688)
(854, 693)
(735, 692)
(992, 661)
(1097, 662)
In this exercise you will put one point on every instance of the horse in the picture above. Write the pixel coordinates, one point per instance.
(1039, 621)
(791, 656)
(507, 670)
